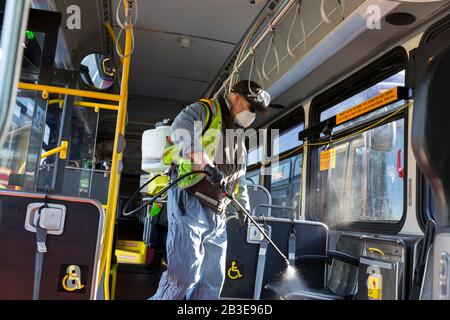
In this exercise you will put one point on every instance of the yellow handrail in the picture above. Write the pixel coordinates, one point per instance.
(113, 192)
(69, 92)
(96, 105)
(376, 250)
(57, 101)
(114, 38)
(62, 150)
(86, 104)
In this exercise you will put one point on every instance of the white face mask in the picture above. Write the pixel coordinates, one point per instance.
(245, 118)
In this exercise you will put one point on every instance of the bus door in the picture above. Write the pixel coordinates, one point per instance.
(50, 245)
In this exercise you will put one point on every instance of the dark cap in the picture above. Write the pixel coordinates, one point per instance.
(258, 98)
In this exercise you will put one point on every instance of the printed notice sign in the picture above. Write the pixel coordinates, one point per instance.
(328, 159)
(385, 98)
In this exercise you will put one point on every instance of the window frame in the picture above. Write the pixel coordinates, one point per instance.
(287, 122)
(388, 65)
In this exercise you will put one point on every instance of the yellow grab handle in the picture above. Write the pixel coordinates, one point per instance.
(62, 150)
(376, 250)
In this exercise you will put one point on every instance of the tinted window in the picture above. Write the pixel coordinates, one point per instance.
(360, 178)
(285, 184)
(287, 140)
(254, 176)
(397, 80)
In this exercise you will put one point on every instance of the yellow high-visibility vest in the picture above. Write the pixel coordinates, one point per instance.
(210, 140)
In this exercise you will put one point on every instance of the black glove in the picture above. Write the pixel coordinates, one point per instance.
(213, 174)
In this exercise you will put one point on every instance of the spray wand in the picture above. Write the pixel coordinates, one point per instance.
(230, 196)
(226, 193)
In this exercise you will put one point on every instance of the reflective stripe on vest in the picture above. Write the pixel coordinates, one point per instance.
(210, 140)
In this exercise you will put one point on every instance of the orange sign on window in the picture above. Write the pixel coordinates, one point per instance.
(328, 159)
(385, 98)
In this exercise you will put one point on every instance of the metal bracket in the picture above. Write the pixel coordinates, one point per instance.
(122, 143)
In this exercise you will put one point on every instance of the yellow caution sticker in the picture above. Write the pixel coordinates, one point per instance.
(374, 283)
(328, 159)
(385, 98)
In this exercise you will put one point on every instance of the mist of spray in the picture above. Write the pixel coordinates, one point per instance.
(289, 280)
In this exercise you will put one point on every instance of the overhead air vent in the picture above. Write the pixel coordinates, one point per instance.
(400, 18)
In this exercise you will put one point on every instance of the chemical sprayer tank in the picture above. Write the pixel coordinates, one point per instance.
(154, 142)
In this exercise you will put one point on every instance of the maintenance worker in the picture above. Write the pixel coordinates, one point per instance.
(197, 239)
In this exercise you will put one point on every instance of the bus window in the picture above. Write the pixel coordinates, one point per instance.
(22, 147)
(254, 176)
(285, 185)
(286, 174)
(360, 179)
(255, 156)
(296, 182)
(287, 140)
(280, 186)
(389, 83)
(32, 55)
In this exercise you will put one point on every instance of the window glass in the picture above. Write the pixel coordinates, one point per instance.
(285, 185)
(254, 177)
(365, 182)
(32, 55)
(360, 179)
(20, 152)
(255, 156)
(391, 82)
(287, 140)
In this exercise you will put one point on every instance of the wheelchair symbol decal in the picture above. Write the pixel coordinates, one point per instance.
(73, 278)
(233, 272)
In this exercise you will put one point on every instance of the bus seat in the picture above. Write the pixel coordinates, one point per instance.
(311, 239)
(258, 195)
(70, 266)
(343, 279)
(243, 256)
(274, 211)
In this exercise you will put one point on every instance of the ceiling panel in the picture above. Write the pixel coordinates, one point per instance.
(161, 68)
(226, 20)
(165, 87)
(161, 54)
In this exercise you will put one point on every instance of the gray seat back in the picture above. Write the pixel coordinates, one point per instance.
(343, 276)
(70, 267)
(258, 196)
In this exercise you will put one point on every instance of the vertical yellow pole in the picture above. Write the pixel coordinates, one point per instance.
(113, 193)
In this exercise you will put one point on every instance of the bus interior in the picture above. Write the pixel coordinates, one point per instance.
(349, 175)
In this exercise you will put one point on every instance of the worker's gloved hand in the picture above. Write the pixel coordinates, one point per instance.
(213, 174)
